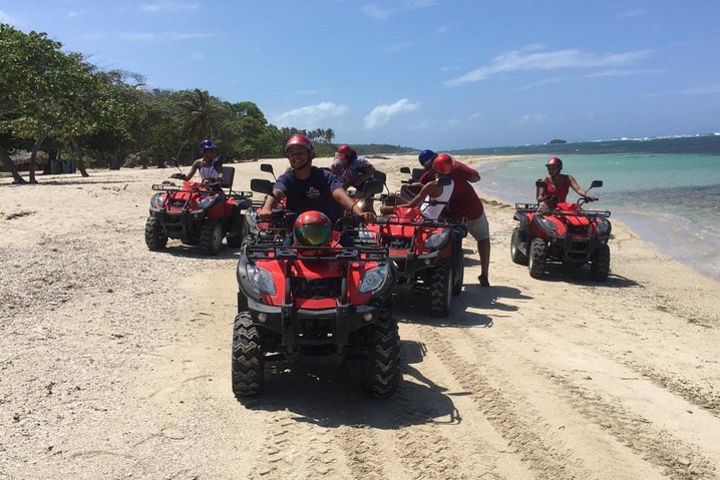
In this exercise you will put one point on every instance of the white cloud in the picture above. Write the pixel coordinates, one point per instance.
(631, 13)
(540, 83)
(72, 14)
(378, 13)
(515, 60)
(162, 37)
(7, 18)
(384, 12)
(310, 116)
(704, 90)
(169, 6)
(381, 114)
(624, 73)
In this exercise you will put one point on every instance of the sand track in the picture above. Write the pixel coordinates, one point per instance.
(114, 363)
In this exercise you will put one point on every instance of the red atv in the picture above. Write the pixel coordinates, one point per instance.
(298, 301)
(199, 214)
(566, 234)
(428, 253)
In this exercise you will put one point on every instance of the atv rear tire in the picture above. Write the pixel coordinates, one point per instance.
(248, 358)
(441, 287)
(516, 254)
(211, 236)
(459, 270)
(382, 361)
(155, 237)
(538, 255)
(600, 264)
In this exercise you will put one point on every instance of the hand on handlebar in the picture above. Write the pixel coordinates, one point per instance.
(368, 217)
(178, 176)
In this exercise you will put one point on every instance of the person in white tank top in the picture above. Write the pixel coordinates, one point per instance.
(208, 167)
(439, 190)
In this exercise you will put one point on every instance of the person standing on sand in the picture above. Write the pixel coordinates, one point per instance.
(465, 206)
(558, 185)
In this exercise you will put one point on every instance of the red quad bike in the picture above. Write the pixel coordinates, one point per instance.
(567, 235)
(296, 302)
(428, 253)
(199, 214)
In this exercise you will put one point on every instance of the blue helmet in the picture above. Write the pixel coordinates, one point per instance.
(426, 156)
(207, 144)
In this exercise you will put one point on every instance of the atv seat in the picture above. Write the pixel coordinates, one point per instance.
(228, 174)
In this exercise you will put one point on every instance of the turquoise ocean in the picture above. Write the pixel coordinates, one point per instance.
(671, 199)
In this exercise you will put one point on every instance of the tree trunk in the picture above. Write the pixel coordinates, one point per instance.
(79, 160)
(118, 160)
(52, 157)
(33, 156)
(10, 166)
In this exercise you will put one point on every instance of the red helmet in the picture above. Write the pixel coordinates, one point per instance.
(443, 163)
(298, 139)
(312, 228)
(346, 151)
(554, 162)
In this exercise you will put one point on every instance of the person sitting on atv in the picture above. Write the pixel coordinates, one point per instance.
(307, 187)
(557, 186)
(351, 170)
(208, 165)
(431, 190)
(409, 191)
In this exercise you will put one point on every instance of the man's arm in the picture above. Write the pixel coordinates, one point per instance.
(192, 171)
(340, 196)
(467, 173)
(578, 189)
(431, 189)
(270, 202)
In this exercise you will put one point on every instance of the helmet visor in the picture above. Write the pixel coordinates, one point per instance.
(313, 235)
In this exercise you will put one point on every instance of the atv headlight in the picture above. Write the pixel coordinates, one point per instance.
(546, 224)
(260, 279)
(437, 241)
(374, 279)
(251, 220)
(206, 202)
(604, 227)
(157, 200)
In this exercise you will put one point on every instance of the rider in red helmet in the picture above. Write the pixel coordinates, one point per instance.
(307, 187)
(351, 169)
(557, 185)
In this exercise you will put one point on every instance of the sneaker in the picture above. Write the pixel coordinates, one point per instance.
(483, 281)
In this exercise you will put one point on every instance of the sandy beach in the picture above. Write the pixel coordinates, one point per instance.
(115, 361)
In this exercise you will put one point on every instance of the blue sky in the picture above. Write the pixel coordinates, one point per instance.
(423, 73)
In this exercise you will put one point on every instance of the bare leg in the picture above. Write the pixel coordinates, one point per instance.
(484, 252)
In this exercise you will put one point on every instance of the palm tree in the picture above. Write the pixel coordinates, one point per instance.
(201, 115)
(329, 135)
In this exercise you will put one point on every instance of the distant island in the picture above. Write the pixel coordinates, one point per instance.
(556, 141)
(698, 144)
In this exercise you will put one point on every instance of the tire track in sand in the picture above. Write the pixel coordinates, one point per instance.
(519, 428)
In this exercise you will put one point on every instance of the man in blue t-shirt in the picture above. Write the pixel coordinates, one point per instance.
(310, 188)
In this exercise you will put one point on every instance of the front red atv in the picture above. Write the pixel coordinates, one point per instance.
(298, 301)
(197, 214)
(567, 235)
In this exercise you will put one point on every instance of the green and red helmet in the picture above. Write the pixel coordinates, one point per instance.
(312, 228)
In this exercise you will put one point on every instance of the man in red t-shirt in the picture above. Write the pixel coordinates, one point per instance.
(465, 206)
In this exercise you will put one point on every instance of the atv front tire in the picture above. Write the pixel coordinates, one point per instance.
(600, 264)
(441, 286)
(382, 360)
(211, 236)
(516, 254)
(155, 237)
(248, 358)
(538, 255)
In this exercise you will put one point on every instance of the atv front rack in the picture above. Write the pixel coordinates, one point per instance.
(360, 253)
(533, 208)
